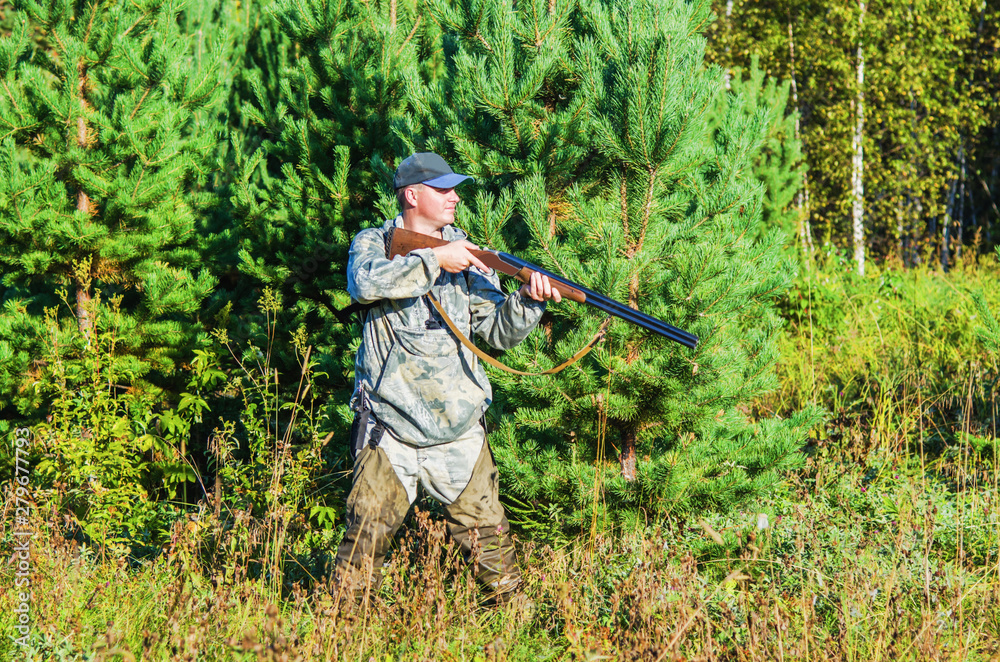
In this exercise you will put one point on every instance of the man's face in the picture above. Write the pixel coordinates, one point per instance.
(435, 205)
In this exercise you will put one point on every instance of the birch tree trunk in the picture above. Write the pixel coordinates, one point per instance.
(946, 226)
(857, 171)
(993, 183)
(960, 216)
(728, 75)
(913, 210)
(802, 197)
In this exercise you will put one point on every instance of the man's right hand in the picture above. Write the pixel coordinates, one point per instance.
(457, 257)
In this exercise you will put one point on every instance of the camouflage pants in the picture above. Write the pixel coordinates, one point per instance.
(378, 504)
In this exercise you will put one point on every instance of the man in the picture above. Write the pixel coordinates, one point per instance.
(419, 393)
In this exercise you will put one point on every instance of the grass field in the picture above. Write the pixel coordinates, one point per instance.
(885, 547)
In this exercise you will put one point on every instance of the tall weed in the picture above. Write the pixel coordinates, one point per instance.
(94, 461)
(828, 573)
(896, 357)
(885, 546)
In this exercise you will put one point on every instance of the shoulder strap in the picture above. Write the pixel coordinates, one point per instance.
(496, 364)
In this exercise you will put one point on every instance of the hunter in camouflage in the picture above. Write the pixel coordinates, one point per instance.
(423, 383)
(419, 393)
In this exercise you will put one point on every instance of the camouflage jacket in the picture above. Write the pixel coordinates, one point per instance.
(422, 383)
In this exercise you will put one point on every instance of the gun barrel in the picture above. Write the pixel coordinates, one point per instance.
(401, 242)
(613, 307)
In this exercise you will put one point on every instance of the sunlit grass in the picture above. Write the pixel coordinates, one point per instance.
(886, 546)
(869, 566)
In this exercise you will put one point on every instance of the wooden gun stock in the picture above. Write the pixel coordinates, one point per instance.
(402, 242)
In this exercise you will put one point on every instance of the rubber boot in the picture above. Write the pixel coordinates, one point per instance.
(476, 520)
(376, 508)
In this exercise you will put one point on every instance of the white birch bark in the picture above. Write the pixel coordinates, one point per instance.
(857, 170)
(960, 216)
(728, 75)
(802, 197)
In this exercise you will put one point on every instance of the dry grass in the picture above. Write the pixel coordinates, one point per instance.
(887, 546)
(831, 577)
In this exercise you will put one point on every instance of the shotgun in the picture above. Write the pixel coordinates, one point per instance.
(401, 242)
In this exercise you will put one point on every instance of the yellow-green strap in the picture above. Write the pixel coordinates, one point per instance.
(496, 364)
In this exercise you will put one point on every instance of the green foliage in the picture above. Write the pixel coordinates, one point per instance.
(123, 467)
(989, 334)
(898, 360)
(271, 476)
(102, 148)
(282, 443)
(508, 105)
(930, 108)
(618, 184)
(318, 173)
(95, 460)
(779, 164)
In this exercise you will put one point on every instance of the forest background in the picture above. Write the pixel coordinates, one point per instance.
(809, 187)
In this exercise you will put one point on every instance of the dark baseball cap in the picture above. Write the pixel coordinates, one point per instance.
(426, 168)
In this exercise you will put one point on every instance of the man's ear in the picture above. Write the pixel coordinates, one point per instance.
(410, 194)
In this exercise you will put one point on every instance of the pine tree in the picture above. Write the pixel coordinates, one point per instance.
(778, 164)
(322, 168)
(507, 105)
(639, 200)
(109, 128)
(593, 157)
(238, 33)
(101, 150)
(255, 55)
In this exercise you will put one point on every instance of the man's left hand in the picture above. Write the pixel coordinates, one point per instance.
(540, 288)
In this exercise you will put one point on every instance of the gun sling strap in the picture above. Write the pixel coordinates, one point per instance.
(496, 364)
